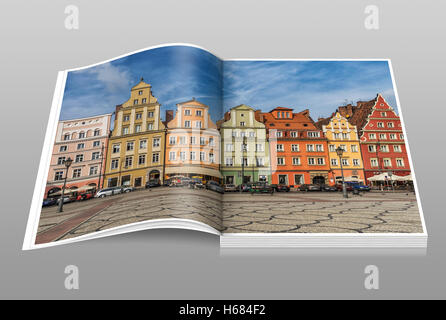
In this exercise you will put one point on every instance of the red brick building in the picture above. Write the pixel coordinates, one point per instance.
(381, 135)
(298, 149)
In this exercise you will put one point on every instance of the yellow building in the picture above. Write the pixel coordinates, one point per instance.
(136, 147)
(340, 133)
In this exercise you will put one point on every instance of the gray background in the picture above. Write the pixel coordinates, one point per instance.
(182, 264)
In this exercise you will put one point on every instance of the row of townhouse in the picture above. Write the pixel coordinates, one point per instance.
(247, 145)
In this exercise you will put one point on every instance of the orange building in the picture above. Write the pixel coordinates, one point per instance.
(192, 142)
(299, 152)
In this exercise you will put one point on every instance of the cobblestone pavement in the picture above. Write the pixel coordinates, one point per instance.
(322, 213)
(281, 212)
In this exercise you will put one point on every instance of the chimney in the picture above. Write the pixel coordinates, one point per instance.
(169, 116)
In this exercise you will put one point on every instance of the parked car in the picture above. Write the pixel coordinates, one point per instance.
(66, 199)
(214, 186)
(153, 183)
(245, 187)
(180, 181)
(328, 188)
(309, 187)
(350, 186)
(261, 187)
(128, 189)
(281, 187)
(49, 202)
(229, 187)
(84, 196)
(108, 192)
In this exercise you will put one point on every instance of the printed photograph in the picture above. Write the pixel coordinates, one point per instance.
(241, 146)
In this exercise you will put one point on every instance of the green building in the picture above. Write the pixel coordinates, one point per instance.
(244, 147)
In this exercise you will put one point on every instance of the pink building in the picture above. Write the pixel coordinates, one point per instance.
(85, 142)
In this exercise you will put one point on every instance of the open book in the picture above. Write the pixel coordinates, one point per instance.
(263, 153)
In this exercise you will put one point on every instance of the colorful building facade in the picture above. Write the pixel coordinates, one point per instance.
(340, 133)
(85, 141)
(136, 146)
(192, 142)
(244, 147)
(298, 148)
(382, 139)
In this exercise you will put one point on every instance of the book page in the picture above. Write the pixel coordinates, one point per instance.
(132, 141)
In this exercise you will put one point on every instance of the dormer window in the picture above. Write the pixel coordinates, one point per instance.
(140, 92)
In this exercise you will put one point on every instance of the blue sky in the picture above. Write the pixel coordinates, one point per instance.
(178, 73)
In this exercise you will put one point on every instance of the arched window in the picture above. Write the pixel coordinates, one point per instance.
(97, 132)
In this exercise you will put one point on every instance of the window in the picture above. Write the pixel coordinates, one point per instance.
(334, 162)
(280, 161)
(280, 147)
(95, 155)
(401, 136)
(320, 161)
(63, 148)
(374, 162)
(116, 148)
(211, 158)
(259, 162)
(279, 134)
(114, 164)
(150, 126)
(356, 162)
(399, 162)
(343, 147)
(345, 162)
(79, 158)
(387, 163)
(144, 100)
(298, 179)
(138, 116)
(244, 147)
(187, 124)
(380, 124)
(310, 147)
(150, 114)
(80, 146)
(140, 92)
(172, 155)
(138, 128)
(383, 114)
(198, 124)
(125, 130)
(392, 136)
(319, 148)
(242, 123)
(93, 170)
(182, 155)
(252, 134)
(259, 147)
(66, 136)
(192, 140)
(182, 140)
(81, 135)
(192, 155)
(60, 160)
(198, 113)
(296, 161)
(96, 143)
(345, 136)
(128, 161)
(202, 156)
(311, 161)
(211, 142)
(390, 124)
(229, 162)
(228, 147)
(354, 148)
(156, 142)
(293, 134)
(130, 146)
(155, 157)
(295, 147)
(141, 159)
(337, 135)
(143, 144)
(76, 173)
(58, 175)
(172, 140)
(314, 134)
(202, 141)
(372, 135)
(382, 136)
(126, 117)
(135, 101)
(187, 112)
(384, 148)
(397, 148)
(372, 148)
(332, 148)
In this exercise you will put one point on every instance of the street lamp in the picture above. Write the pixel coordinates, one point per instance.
(340, 152)
(243, 163)
(67, 164)
(391, 181)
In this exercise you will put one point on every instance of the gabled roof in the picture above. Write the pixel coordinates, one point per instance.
(361, 112)
(141, 84)
(298, 121)
(193, 101)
